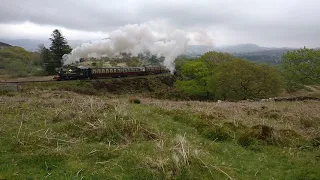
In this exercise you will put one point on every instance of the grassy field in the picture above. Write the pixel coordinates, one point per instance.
(57, 134)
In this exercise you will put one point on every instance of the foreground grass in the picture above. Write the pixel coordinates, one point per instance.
(64, 135)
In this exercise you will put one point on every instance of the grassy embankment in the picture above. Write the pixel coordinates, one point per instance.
(49, 133)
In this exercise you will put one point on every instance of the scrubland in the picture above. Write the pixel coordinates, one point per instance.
(59, 134)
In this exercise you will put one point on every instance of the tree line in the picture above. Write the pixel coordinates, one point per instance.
(217, 75)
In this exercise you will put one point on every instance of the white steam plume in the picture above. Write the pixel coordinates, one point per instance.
(134, 39)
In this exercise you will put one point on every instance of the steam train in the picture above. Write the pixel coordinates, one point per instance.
(73, 73)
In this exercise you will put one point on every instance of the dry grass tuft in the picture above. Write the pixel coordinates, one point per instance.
(301, 117)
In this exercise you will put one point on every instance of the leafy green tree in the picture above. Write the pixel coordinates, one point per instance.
(59, 47)
(301, 67)
(240, 79)
(195, 77)
(179, 62)
(47, 59)
(212, 58)
(195, 73)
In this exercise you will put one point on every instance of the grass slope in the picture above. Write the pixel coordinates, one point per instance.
(65, 135)
(17, 62)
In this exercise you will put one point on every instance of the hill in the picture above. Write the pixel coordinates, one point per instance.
(272, 56)
(4, 45)
(132, 136)
(33, 44)
(250, 52)
(16, 61)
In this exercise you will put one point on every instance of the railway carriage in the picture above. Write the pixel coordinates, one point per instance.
(72, 73)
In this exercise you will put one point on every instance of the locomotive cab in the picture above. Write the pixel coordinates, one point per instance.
(72, 73)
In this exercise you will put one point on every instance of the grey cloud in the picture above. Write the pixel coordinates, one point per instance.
(291, 22)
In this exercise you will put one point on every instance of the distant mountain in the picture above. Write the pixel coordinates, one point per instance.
(241, 48)
(27, 44)
(272, 56)
(234, 49)
(199, 49)
(4, 45)
(250, 52)
(33, 45)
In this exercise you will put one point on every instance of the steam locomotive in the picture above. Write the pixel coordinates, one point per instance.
(73, 73)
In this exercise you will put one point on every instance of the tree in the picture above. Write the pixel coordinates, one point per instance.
(46, 59)
(59, 47)
(240, 79)
(195, 75)
(221, 76)
(212, 58)
(301, 67)
(149, 58)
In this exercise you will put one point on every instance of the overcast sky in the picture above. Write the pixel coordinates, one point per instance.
(277, 23)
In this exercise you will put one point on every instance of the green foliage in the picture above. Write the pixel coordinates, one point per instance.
(301, 67)
(240, 79)
(221, 76)
(59, 47)
(47, 60)
(133, 62)
(212, 58)
(151, 59)
(195, 74)
(16, 61)
(179, 61)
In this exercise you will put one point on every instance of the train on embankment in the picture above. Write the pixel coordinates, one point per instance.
(73, 73)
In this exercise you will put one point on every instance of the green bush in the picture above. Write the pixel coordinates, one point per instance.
(301, 67)
(228, 78)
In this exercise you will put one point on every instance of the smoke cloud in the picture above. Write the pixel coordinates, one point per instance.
(135, 38)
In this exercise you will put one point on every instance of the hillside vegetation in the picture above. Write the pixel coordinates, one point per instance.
(63, 135)
(134, 127)
(17, 62)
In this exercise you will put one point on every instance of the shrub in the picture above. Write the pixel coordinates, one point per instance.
(134, 101)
